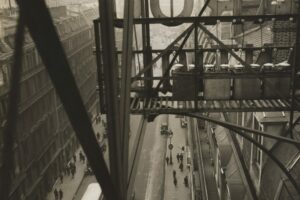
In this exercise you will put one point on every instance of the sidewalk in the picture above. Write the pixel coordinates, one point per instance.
(179, 192)
(70, 185)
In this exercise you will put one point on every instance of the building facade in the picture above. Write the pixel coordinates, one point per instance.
(45, 140)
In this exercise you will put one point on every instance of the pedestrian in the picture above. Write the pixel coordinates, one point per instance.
(181, 157)
(181, 167)
(167, 160)
(98, 136)
(68, 170)
(55, 194)
(80, 156)
(178, 157)
(175, 181)
(174, 173)
(61, 176)
(186, 183)
(182, 148)
(61, 194)
(188, 166)
(72, 171)
(74, 158)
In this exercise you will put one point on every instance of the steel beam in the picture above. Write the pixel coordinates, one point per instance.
(173, 59)
(43, 33)
(111, 82)
(135, 156)
(232, 126)
(241, 162)
(296, 63)
(214, 49)
(100, 77)
(170, 46)
(271, 156)
(212, 20)
(226, 75)
(125, 90)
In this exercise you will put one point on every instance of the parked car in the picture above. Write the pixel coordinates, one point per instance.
(164, 128)
(183, 123)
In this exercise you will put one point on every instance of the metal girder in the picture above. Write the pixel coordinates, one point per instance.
(125, 90)
(238, 58)
(296, 63)
(106, 10)
(232, 126)
(166, 105)
(212, 20)
(225, 75)
(170, 46)
(100, 76)
(272, 157)
(7, 168)
(174, 58)
(214, 49)
(43, 33)
(223, 46)
(236, 148)
(135, 156)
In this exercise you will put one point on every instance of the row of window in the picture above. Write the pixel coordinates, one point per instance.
(77, 41)
(70, 25)
(33, 85)
(31, 116)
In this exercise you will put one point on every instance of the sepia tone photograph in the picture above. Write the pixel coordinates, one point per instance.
(149, 100)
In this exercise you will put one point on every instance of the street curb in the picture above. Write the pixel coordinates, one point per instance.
(75, 194)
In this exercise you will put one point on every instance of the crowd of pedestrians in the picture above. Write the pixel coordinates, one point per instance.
(69, 170)
(179, 157)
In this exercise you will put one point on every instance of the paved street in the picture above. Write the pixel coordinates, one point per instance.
(149, 180)
(179, 192)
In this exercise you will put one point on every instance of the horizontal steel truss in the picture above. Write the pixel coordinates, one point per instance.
(215, 49)
(165, 105)
(223, 75)
(212, 20)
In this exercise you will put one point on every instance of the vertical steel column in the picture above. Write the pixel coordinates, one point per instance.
(196, 70)
(106, 11)
(296, 63)
(101, 87)
(147, 48)
(125, 89)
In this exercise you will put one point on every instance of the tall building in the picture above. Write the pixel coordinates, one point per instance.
(44, 140)
(266, 178)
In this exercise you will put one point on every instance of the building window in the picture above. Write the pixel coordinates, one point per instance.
(257, 152)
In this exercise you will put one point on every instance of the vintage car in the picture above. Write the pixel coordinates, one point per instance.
(164, 128)
(183, 123)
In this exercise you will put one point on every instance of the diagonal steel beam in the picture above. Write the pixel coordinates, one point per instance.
(238, 130)
(224, 46)
(170, 46)
(273, 158)
(43, 33)
(238, 151)
(125, 89)
(229, 50)
(231, 126)
(174, 58)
